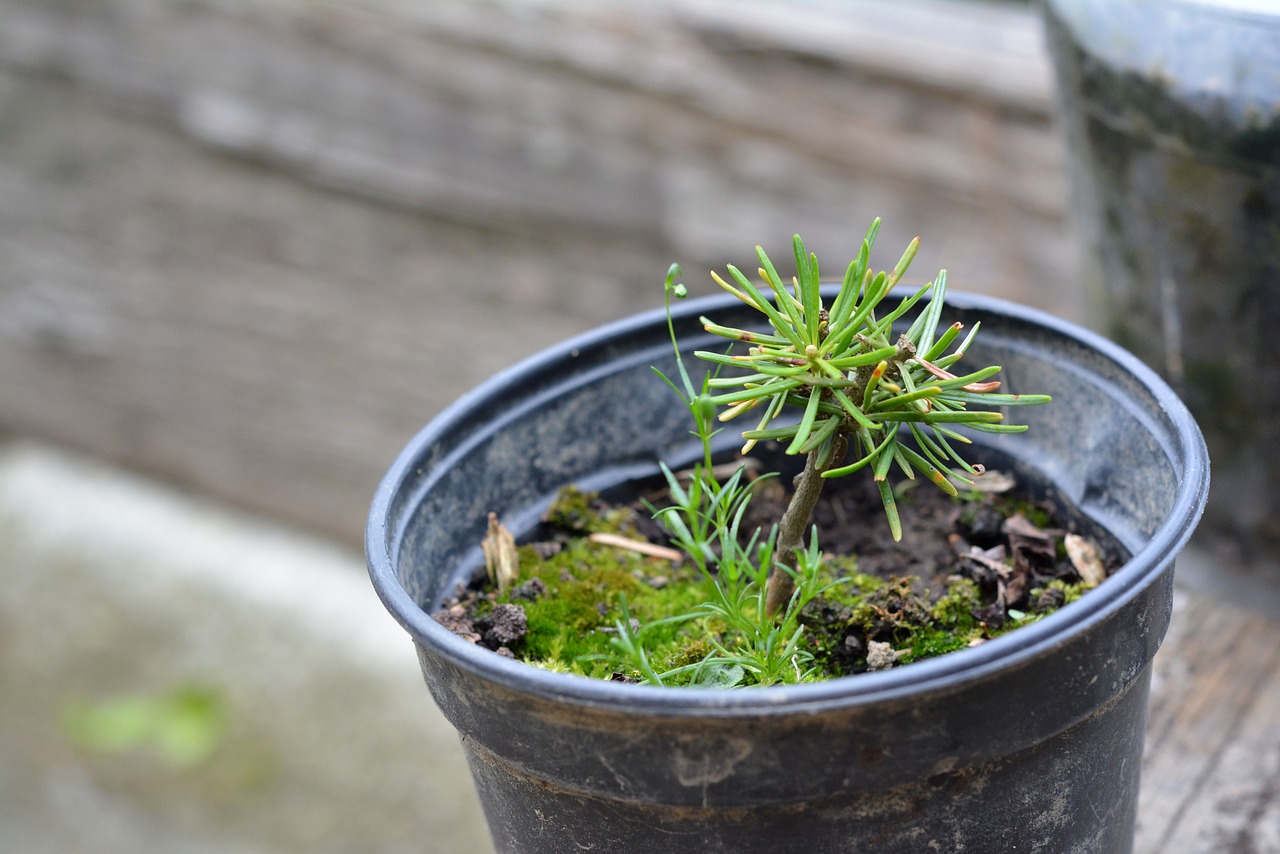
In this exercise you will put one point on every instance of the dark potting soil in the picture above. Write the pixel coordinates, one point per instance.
(967, 569)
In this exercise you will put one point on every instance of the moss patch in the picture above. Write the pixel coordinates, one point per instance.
(572, 590)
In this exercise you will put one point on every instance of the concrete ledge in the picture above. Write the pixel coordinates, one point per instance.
(111, 586)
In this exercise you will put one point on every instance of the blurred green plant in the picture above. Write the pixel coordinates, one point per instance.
(183, 726)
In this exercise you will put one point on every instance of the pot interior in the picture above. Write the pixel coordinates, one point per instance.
(1115, 444)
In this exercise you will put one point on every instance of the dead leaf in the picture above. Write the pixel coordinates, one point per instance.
(993, 482)
(1029, 545)
(1084, 557)
(1011, 591)
(1032, 549)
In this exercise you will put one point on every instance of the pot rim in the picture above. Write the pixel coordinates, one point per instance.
(944, 673)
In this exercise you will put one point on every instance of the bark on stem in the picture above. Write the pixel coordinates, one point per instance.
(791, 530)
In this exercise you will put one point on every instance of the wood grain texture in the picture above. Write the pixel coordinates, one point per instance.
(252, 245)
(1211, 773)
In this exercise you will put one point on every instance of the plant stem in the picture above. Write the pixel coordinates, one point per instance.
(795, 521)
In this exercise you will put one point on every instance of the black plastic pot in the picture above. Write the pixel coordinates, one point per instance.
(1030, 742)
(1171, 110)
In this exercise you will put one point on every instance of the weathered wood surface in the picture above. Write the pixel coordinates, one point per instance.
(252, 245)
(1211, 772)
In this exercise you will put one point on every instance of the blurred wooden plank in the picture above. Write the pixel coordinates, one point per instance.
(257, 338)
(252, 245)
(941, 37)
(1211, 774)
(1238, 807)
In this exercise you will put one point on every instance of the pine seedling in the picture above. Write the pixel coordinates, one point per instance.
(866, 401)
(860, 391)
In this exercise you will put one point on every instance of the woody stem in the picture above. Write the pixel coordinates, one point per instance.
(791, 529)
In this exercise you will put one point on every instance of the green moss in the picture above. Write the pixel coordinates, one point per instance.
(554, 665)
(890, 611)
(576, 620)
(955, 610)
(573, 625)
(585, 582)
(929, 641)
(828, 622)
(1054, 595)
(857, 583)
(690, 652)
(579, 582)
(582, 513)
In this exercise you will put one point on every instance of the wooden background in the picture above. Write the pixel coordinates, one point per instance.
(252, 246)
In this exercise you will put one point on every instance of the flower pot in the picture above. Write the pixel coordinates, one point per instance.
(1171, 110)
(1029, 742)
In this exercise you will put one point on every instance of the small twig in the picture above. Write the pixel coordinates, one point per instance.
(639, 546)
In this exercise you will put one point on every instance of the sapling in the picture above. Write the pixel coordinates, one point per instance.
(832, 382)
(857, 386)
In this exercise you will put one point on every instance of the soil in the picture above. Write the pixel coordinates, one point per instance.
(966, 570)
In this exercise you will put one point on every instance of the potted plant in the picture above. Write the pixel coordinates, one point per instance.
(1031, 741)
